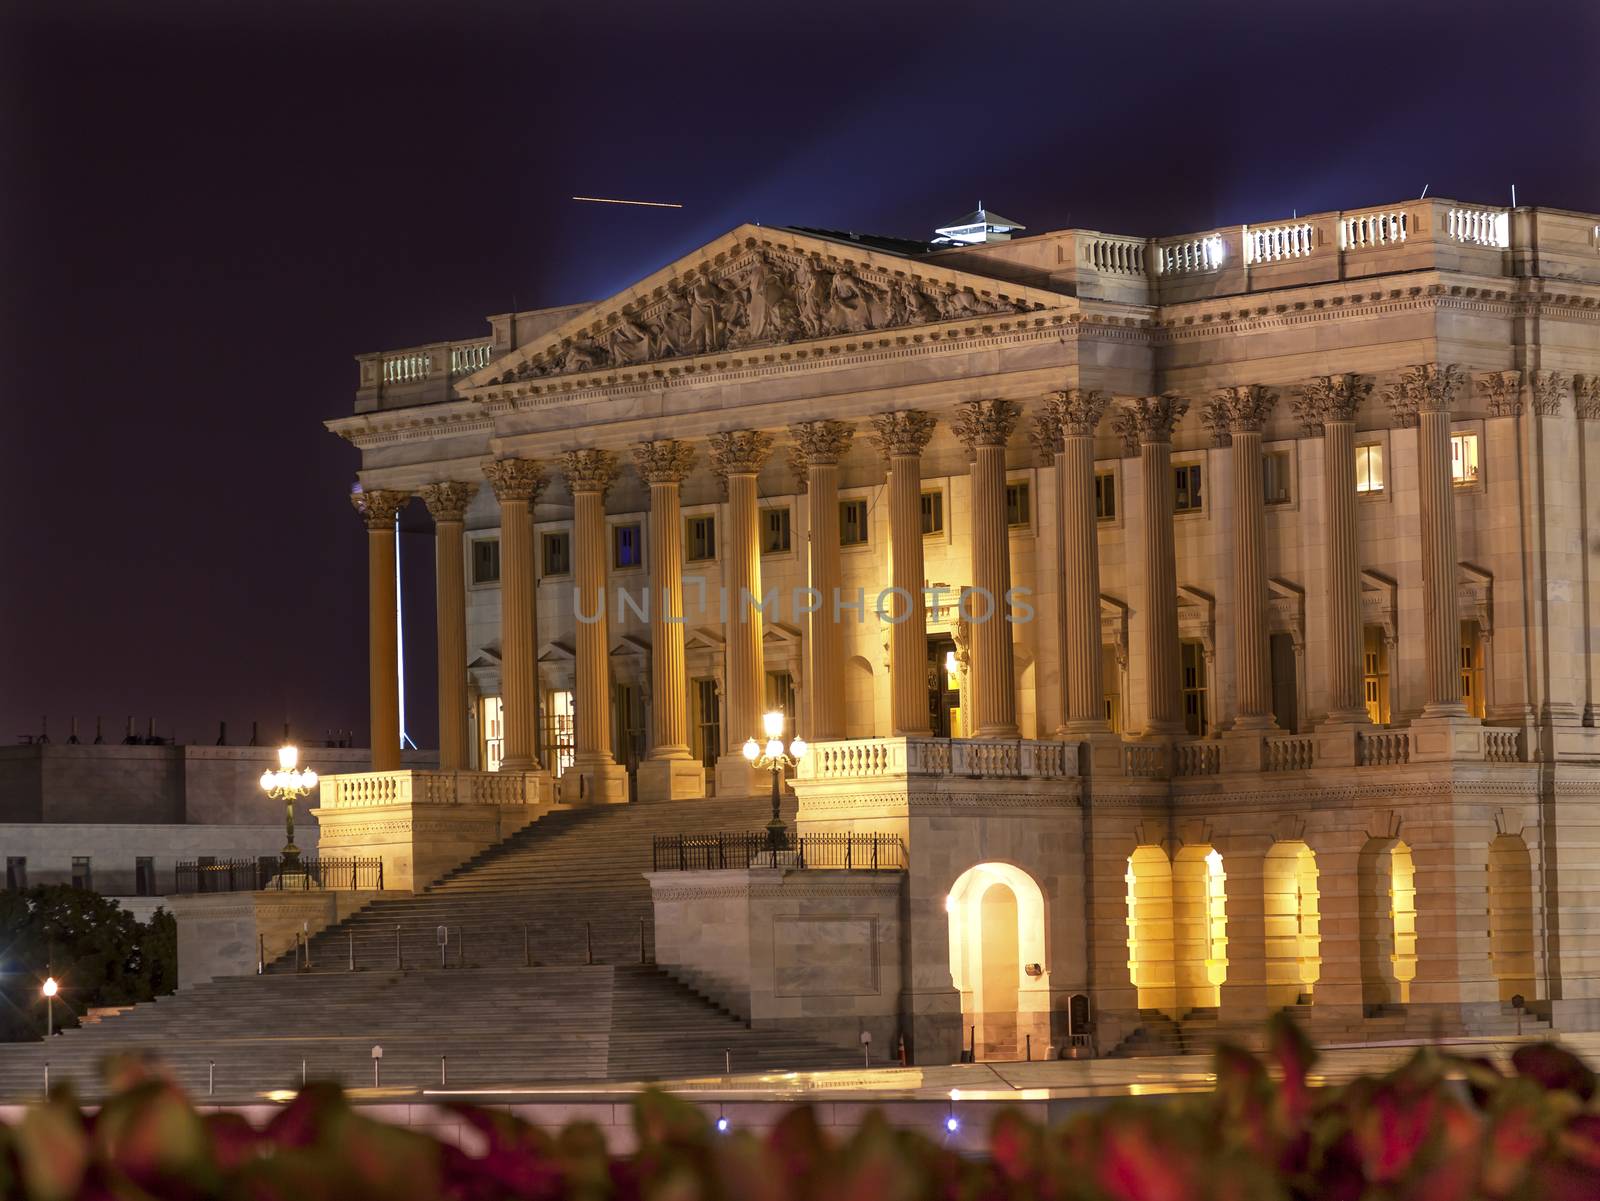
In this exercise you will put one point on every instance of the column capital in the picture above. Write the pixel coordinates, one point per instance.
(1503, 391)
(796, 460)
(589, 470)
(1586, 397)
(378, 507)
(823, 442)
(1214, 413)
(1126, 427)
(986, 422)
(448, 499)
(1248, 407)
(1330, 398)
(515, 479)
(668, 461)
(906, 432)
(740, 452)
(1424, 388)
(1045, 435)
(1078, 409)
(1154, 416)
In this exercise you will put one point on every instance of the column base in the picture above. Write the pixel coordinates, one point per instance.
(736, 778)
(671, 780)
(598, 782)
(1243, 749)
(1100, 752)
(1449, 736)
(1338, 744)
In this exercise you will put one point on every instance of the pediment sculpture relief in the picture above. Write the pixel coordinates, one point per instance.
(764, 298)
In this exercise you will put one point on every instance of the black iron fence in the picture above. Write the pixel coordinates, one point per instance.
(719, 852)
(270, 872)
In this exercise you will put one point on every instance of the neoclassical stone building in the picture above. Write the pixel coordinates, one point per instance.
(1211, 616)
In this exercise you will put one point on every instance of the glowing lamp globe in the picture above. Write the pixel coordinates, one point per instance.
(772, 724)
(50, 986)
(752, 750)
(266, 781)
(288, 756)
(798, 748)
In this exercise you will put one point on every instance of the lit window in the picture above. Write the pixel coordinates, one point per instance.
(560, 732)
(485, 560)
(933, 512)
(1464, 459)
(852, 523)
(557, 553)
(1186, 497)
(700, 537)
(626, 545)
(775, 530)
(1375, 675)
(1018, 504)
(491, 724)
(1275, 471)
(1369, 468)
(1471, 654)
(1105, 496)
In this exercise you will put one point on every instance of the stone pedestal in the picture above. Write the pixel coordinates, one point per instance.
(223, 934)
(1445, 738)
(671, 780)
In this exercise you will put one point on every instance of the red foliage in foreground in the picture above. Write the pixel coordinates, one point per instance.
(1437, 1129)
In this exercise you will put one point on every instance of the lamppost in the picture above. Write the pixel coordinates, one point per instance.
(287, 784)
(50, 989)
(775, 757)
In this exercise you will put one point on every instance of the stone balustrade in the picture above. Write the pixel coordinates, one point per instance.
(1195, 759)
(1502, 745)
(410, 787)
(1291, 753)
(411, 368)
(1145, 761)
(869, 758)
(1384, 748)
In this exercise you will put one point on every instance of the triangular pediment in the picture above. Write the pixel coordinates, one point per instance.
(756, 287)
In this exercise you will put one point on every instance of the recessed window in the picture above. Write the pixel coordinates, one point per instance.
(1186, 496)
(933, 512)
(16, 872)
(1275, 473)
(1019, 504)
(557, 556)
(486, 560)
(1464, 460)
(1105, 496)
(700, 537)
(775, 532)
(852, 523)
(627, 545)
(82, 872)
(560, 731)
(1192, 669)
(491, 732)
(1369, 467)
(144, 876)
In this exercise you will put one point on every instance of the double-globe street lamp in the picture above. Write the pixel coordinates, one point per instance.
(776, 758)
(288, 784)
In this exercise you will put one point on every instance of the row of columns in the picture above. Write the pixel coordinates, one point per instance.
(1069, 418)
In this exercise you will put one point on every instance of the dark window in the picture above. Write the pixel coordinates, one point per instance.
(1186, 495)
(627, 545)
(707, 722)
(16, 872)
(700, 537)
(557, 553)
(933, 512)
(486, 561)
(144, 876)
(1275, 478)
(1105, 496)
(774, 530)
(82, 874)
(1018, 503)
(1192, 668)
(852, 522)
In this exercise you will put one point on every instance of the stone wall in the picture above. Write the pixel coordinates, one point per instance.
(222, 934)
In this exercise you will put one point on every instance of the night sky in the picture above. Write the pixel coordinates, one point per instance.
(207, 208)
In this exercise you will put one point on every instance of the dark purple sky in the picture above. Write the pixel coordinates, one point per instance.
(207, 208)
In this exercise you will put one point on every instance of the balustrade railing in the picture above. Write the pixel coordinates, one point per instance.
(1189, 255)
(427, 787)
(1502, 746)
(1363, 231)
(1115, 256)
(1196, 759)
(1144, 761)
(407, 367)
(971, 758)
(464, 360)
(1273, 243)
(272, 873)
(1289, 754)
(1479, 227)
(739, 851)
(1384, 748)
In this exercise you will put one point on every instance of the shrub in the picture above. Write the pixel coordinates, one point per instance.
(1438, 1128)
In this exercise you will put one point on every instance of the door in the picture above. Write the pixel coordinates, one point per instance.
(944, 688)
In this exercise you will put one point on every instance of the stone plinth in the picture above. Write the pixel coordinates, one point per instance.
(423, 823)
(815, 952)
(225, 934)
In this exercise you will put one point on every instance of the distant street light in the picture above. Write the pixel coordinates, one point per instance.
(287, 784)
(50, 989)
(775, 757)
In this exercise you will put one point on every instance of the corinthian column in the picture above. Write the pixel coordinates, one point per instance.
(985, 426)
(594, 775)
(1247, 408)
(1079, 410)
(378, 510)
(737, 458)
(1153, 418)
(901, 438)
(517, 484)
(820, 445)
(670, 773)
(1429, 389)
(1329, 404)
(447, 505)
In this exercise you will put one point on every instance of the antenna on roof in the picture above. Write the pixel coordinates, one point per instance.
(1425, 188)
(1513, 195)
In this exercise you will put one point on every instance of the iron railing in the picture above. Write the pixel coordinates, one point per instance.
(721, 852)
(270, 872)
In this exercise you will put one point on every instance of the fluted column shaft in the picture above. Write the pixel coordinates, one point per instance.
(1346, 690)
(746, 666)
(378, 510)
(825, 638)
(908, 635)
(1440, 622)
(447, 504)
(1079, 412)
(1252, 669)
(1153, 418)
(993, 662)
(517, 484)
(669, 691)
(591, 724)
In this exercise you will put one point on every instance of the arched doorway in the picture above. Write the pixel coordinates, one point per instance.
(1200, 927)
(1150, 967)
(1511, 917)
(997, 944)
(1386, 878)
(1294, 938)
